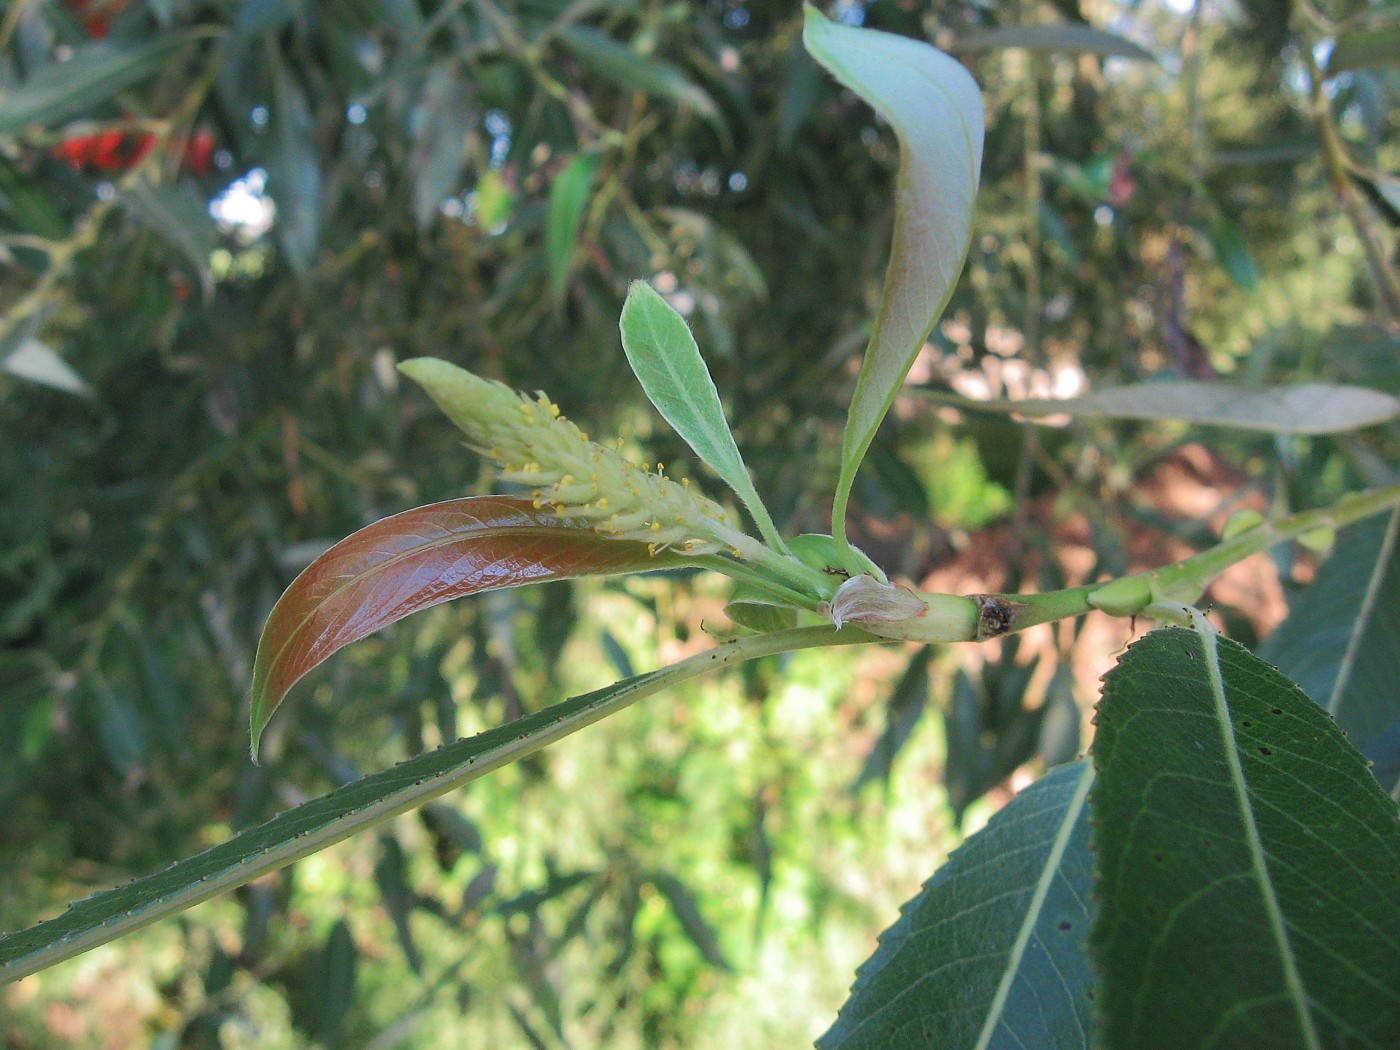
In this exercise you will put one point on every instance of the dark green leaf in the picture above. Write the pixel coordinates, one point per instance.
(687, 910)
(294, 173)
(568, 198)
(83, 82)
(181, 217)
(628, 68)
(440, 141)
(1249, 864)
(335, 984)
(1341, 641)
(1232, 253)
(991, 952)
(120, 730)
(1369, 47)
(1384, 192)
(902, 713)
(1067, 38)
(398, 897)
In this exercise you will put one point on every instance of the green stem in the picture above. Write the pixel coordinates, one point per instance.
(363, 804)
(1184, 581)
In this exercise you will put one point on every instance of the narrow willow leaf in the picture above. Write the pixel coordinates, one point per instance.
(630, 69)
(1307, 408)
(1366, 47)
(363, 804)
(1249, 864)
(83, 82)
(936, 110)
(413, 561)
(294, 172)
(991, 953)
(903, 711)
(1067, 38)
(1341, 641)
(568, 197)
(667, 363)
(440, 141)
(181, 217)
(38, 363)
(692, 920)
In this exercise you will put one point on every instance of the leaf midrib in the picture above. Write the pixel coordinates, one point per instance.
(1037, 903)
(1363, 614)
(1253, 841)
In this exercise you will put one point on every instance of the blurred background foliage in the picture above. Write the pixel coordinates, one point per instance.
(223, 221)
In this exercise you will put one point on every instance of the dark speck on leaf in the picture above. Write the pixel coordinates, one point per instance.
(1157, 857)
(1066, 926)
(1265, 751)
(1247, 725)
(1276, 710)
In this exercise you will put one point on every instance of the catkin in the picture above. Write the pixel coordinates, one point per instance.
(529, 442)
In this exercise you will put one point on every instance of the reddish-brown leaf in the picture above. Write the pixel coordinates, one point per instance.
(415, 560)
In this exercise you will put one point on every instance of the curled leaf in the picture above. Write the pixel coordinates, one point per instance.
(934, 106)
(415, 560)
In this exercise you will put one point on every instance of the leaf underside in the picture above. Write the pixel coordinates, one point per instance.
(1306, 408)
(1249, 864)
(415, 560)
(1341, 641)
(935, 108)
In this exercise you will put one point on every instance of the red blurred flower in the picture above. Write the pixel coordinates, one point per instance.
(199, 152)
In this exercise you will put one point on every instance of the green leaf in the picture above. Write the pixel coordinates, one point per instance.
(1305, 408)
(1367, 47)
(294, 173)
(1341, 641)
(902, 713)
(687, 910)
(334, 985)
(1383, 191)
(1066, 37)
(364, 804)
(568, 198)
(628, 68)
(440, 140)
(936, 110)
(1232, 253)
(1249, 864)
(991, 952)
(80, 84)
(181, 217)
(412, 561)
(667, 363)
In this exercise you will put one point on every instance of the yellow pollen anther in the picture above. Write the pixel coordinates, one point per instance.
(567, 479)
(602, 502)
(736, 553)
(656, 526)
